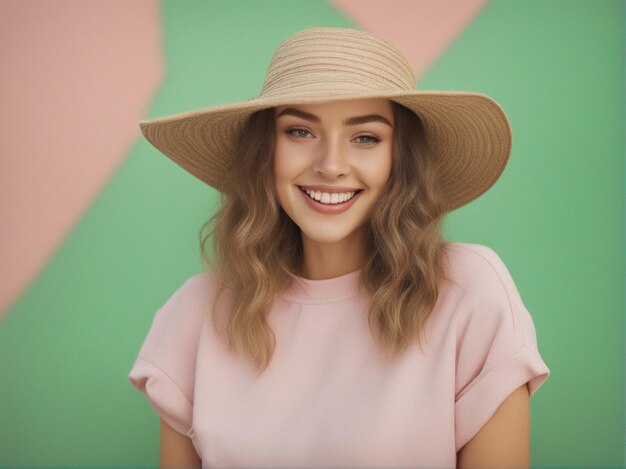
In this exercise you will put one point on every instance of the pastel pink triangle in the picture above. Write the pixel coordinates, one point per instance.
(421, 29)
(76, 79)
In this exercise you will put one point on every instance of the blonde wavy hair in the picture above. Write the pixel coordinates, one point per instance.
(257, 248)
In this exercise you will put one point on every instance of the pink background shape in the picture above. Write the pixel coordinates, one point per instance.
(76, 78)
(421, 29)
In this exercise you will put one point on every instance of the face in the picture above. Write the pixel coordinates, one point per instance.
(338, 153)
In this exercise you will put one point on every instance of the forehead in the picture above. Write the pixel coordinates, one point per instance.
(344, 108)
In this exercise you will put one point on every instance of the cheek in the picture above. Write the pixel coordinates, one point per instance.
(284, 173)
(279, 162)
(379, 169)
(287, 165)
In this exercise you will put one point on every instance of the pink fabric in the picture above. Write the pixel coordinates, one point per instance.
(329, 397)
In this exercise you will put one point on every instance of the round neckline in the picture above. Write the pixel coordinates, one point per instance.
(308, 291)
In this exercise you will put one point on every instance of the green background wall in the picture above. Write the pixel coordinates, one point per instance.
(556, 217)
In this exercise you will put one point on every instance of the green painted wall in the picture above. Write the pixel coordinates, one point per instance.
(556, 217)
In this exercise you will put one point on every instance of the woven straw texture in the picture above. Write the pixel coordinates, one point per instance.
(468, 132)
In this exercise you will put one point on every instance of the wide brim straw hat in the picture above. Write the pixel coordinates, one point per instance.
(469, 132)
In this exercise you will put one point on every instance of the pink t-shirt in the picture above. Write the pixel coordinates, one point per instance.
(329, 399)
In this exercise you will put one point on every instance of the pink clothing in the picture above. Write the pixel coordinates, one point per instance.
(328, 398)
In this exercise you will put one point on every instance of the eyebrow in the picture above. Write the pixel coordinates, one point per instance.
(349, 121)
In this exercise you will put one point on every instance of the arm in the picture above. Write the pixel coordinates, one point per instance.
(177, 450)
(504, 441)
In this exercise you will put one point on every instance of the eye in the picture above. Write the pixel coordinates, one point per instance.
(369, 139)
(297, 132)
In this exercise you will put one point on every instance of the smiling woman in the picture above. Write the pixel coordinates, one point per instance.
(333, 326)
(320, 156)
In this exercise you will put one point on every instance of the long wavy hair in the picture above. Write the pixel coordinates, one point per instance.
(256, 248)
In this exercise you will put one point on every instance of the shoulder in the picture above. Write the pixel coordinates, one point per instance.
(201, 281)
(474, 264)
(195, 288)
(479, 276)
(187, 303)
(464, 261)
(177, 323)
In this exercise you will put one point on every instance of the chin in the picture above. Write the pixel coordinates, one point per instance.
(319, 235)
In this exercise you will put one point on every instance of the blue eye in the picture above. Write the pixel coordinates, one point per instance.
(297, 132)
(373, 139)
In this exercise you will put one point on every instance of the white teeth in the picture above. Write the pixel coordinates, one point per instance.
(328, 198)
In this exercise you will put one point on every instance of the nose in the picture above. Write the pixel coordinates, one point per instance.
(332, 161)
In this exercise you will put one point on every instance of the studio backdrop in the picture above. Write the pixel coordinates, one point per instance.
(99, 229)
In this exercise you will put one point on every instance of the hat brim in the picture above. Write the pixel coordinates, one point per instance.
(469, 133)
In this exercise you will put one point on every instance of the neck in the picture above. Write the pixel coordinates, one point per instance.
(328, 260)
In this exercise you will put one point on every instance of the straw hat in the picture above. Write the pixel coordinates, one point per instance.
(469, 132)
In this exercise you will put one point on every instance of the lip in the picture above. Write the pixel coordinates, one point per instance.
(329, 209)
(329, 189)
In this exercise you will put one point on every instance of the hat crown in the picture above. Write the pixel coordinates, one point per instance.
(335, 61)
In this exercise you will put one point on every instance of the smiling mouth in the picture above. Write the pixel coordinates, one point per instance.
(330, 198)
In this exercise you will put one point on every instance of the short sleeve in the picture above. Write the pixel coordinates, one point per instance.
(164, 369)
(496, 343)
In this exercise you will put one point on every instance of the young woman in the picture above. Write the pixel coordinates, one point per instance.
(333, 327)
